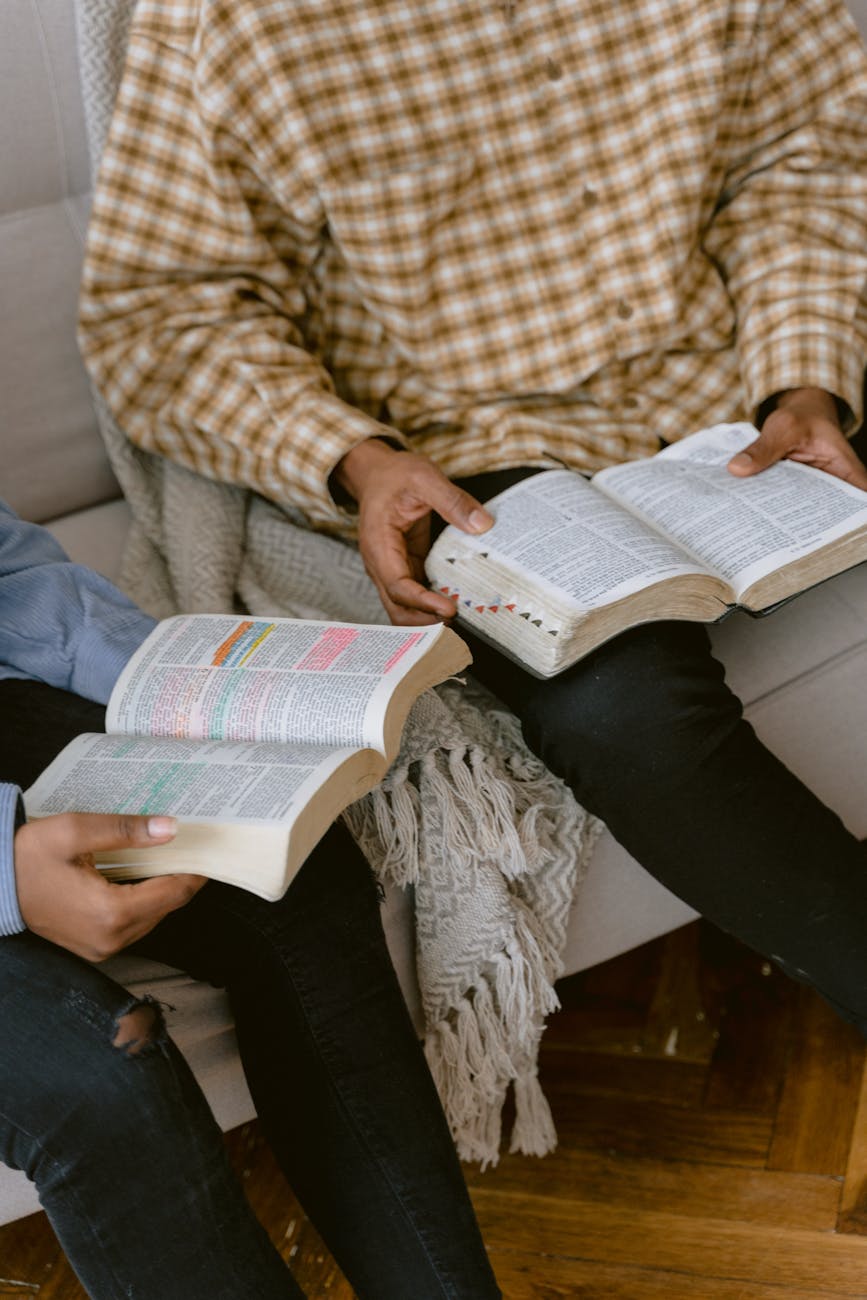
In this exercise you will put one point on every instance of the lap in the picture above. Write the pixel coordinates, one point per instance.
(36, 722)
(657, 667)
(327, 920)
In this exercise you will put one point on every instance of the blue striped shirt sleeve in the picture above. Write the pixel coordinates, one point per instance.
(11, 816)
(60, 622)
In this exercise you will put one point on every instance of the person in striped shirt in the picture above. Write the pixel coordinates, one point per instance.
(99, 1106)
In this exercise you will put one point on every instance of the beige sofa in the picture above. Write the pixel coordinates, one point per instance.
(801, 672)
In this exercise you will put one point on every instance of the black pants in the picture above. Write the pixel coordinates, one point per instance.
(125, 1153)
(650, 738)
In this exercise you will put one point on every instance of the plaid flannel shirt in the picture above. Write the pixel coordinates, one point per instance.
(519, 233)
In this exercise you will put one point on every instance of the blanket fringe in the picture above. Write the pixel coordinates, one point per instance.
(482, 1037)
(473, 1071)
(533, 1133)
(478, 814)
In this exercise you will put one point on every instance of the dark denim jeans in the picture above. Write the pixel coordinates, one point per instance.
(120, 1142)
(650, 739)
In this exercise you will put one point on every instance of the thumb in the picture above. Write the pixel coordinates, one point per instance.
(765, 451)
(757, 456)
(96, 832)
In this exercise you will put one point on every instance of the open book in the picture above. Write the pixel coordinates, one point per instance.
(572, 562)
(255, 733)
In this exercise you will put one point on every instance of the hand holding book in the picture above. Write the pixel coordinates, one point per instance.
(803, 426)
(255, 733)
(570, 563)
(396, 491)
(64, 898)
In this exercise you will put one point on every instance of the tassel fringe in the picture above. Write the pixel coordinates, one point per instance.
(498, 816)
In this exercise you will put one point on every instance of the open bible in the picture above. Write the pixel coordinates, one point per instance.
(255, 733)
(572, 562)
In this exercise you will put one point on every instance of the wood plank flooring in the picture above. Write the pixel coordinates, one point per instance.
(713, 1146)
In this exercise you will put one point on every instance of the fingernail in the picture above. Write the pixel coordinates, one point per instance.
(743, 460)
(479, 520)
(159, 827)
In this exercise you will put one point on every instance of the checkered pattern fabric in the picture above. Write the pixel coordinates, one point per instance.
(514, 233)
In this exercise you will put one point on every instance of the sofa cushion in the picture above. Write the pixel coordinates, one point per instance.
(52, 457)
(95, 537)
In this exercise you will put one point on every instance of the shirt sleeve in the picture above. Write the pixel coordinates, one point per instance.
(790, 232)
(11, 817)
(61, 623)
(196, 291)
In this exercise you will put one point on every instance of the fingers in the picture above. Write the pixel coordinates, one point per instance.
(394, 537)
(66, 900)
(406, 600)
(134, 910)
(74, 835)
(396, 492)
(393, 560)
(849, 467)
(104, 918)
(407, 482)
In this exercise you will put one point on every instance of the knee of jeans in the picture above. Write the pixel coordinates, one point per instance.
(102, 1095)
(140, 1028)
(137, 1028)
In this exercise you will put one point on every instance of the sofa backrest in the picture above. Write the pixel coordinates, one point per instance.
(51, 457)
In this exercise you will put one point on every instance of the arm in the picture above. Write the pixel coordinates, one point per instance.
(65, 625)
(790, 233)
(11, 817)
(194, 312)
(199, 307)
(62, 623)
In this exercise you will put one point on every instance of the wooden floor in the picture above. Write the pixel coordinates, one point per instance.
(713, 1145)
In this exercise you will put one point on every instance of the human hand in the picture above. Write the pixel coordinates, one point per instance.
(64, 898)
(396, 492)
(804, 427)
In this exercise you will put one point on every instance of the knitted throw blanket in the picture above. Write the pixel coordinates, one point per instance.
(492, 843)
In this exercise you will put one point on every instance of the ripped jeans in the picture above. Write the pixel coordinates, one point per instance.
(101, 1110)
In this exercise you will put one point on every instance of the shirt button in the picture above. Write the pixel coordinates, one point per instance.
(624, 311)
(553, 70)
(589, 197)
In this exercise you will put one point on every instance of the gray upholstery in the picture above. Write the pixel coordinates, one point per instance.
(52, 461)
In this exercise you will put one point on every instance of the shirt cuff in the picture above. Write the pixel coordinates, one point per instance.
(11, 817)
(322, 434)
(808, 359)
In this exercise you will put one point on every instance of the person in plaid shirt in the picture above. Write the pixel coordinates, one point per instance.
(375, 259)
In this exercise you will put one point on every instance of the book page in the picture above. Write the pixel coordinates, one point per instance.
(568, 540)
(741, 529)
(220, 781)
(224, 677)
